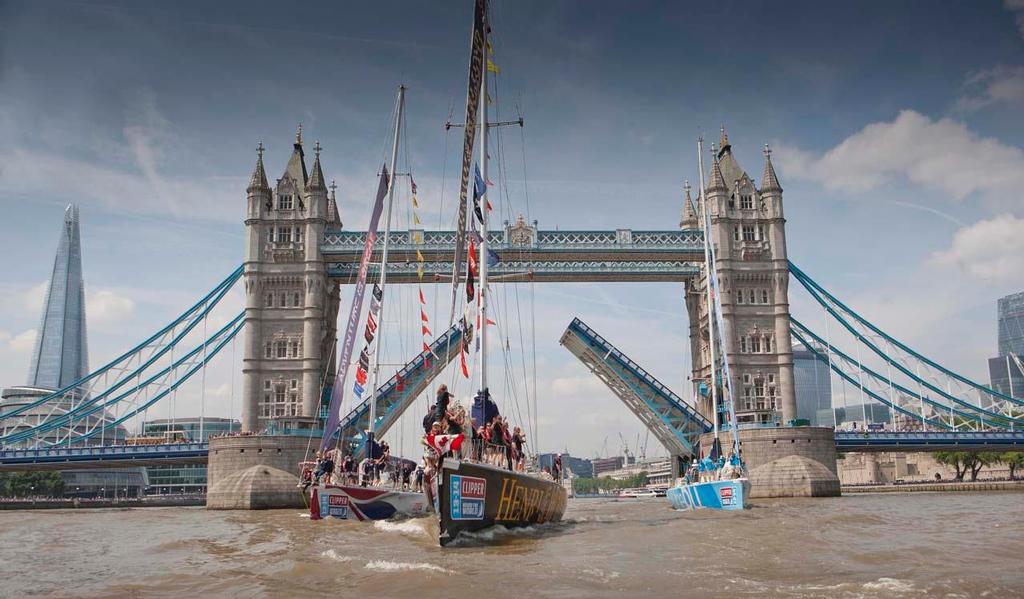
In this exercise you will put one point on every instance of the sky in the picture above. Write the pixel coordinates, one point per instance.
(896, 129)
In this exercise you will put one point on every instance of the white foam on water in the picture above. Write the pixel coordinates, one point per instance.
(408, 527)
(332, 554)
(303, 515)
(600, 574)
(386, 566)
(890, 584)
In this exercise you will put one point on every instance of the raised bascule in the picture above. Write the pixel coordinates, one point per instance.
(298, 255)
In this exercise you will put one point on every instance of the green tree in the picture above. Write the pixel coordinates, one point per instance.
(27, 484)
(958, 460)
(1013, 460)
(976, 461)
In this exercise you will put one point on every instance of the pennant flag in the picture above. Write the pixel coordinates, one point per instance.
(378, 292)
(426, 346)
(415, 218)
(419, 256)
(358, 389)
(489, 207)
(479, 187)
(423, 300)
(374, 306)
(417, 237)
(426, 331)
(490, 183)
(489, 101)
(492, 68)
(490, 49)
(361, 376)
(368, 336)
(423, 316)
(462, 361)
(419, 271)
(400, 384)
(492, 257)
(364, 360)
(489, 321)
(371, 324)
(413, 183)
(415, 202)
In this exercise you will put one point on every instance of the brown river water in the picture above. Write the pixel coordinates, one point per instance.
(885, 545)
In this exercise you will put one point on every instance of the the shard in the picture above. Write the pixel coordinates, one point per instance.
(61, 355)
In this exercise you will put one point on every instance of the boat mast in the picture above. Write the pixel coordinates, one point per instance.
(707, 281)
(384, 273)
(482, 257)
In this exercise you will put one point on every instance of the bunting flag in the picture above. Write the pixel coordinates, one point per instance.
(358, 389)
(364, 360)
(419, 256)
(426, 346)
(471, 271)
(412, 182)
(415, 202)
(491, 322)
(426, 331)
(399, 383)
(423, 316)
(415, 218)
(479, 189)
(419, 271)
(423, 300)
(361, 376)
(417, 237)
(371, 323)
(378, 293)
(462, 361)
(492, 68)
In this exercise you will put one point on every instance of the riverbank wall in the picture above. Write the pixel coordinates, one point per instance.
(950, 487)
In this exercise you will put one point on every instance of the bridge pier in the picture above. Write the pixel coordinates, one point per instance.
(785, 461)
(256, 472)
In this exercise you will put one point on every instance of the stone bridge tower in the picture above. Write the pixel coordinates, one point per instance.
(291, 307)
(749, 235)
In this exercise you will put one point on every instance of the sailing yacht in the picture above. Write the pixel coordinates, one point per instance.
(471, 495)
(361, 501)
(713, 482)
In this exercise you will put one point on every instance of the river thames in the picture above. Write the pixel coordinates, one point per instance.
(885, 545)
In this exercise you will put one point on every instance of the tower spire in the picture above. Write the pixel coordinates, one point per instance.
(332, 205)
(258, 180)
(769, 182)
(717, 182)
(298, 135)
(689, 220)
(316, 179)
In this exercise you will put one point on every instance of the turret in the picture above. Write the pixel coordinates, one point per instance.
(689, 220)
(771, 191)
(258, 191)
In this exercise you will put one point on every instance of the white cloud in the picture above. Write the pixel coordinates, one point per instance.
(32, 299)
(106, 306)
(999, 85)
(991, 250)
(939, 154)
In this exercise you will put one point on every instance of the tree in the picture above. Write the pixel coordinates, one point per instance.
(976, 461)
(25, 484)
(958, 460)
(1013, 460)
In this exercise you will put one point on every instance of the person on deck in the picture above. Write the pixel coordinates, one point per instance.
(325, 468)
(518, 441)
(441, 405)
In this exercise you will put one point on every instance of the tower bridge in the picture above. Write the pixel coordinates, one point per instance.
(298, 254)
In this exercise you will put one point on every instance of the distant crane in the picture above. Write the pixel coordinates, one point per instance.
(625, 450)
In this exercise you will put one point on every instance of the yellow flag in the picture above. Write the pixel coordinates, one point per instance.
(415, 218)
(419, 256)
(415, 202)
(490, 48)
(419, 271)
(492, 68)
(417, 237)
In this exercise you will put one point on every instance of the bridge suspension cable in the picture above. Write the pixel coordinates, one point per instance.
(79, 411)
(960, 398)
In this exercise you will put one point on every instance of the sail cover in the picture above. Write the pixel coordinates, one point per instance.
(472, 107)
(337, 392)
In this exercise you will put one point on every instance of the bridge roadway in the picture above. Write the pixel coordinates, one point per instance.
(524, 253)
(120, 456)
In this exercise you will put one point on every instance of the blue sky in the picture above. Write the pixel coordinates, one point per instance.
(897, 132)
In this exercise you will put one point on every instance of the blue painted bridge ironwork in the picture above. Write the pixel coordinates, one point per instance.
(522, 252)
(930, 441)
(102, 456)
(673, 421)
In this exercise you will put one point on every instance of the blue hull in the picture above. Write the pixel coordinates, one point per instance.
(715, 495)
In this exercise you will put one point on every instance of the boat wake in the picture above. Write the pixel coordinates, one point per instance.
(498, 534)
(388, 566)
(333, 555)
(416, 527)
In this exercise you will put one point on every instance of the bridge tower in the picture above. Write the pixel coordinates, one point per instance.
(291, 307)
(749, 234)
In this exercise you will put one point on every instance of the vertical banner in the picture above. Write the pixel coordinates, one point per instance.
(338, 391)
(472, 107)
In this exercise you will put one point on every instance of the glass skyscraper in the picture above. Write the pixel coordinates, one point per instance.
(813, 387)
(1004, 371)
(61, 355)
(190, 478)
